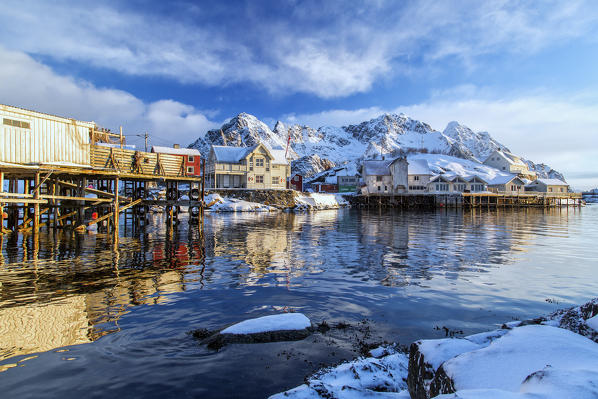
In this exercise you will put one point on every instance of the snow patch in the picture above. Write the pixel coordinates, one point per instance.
(278, 322)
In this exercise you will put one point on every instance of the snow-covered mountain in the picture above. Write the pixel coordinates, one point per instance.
(315, 150)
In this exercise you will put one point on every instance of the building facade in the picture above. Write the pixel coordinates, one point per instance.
(399, 172)
(510, 163)
(508, 184)
(191, 158)
(418, 175)
(548, 186)
(256, 167)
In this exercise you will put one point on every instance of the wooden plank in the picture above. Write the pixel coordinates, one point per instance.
(65, 197)
(22, 201)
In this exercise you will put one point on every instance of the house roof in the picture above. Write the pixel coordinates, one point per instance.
(458, 179)
(236, 154)
(175, 151)
(375, 167)
(512, 159)
(504, 179)
(440, 178)
(418, 167)
(477, 178)
(230, 154)
(551, 182)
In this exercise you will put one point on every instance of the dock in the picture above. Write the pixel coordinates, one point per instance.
(487, 200)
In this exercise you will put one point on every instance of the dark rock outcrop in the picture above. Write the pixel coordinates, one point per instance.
(218, 340)
(421, 373)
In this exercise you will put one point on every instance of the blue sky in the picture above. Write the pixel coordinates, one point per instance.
(525, 71)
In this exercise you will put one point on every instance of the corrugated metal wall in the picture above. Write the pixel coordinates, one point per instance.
(49, 139)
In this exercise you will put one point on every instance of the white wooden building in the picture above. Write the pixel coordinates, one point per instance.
(548, 186)
(510, 163)
(34, 138)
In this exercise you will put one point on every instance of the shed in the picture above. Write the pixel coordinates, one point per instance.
(548, 186)
(30, 137)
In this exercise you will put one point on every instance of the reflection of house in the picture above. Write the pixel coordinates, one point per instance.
(191, 157)
(548, 186)
(418, 175)
(256, 167)
(509, 183)
(511, 163)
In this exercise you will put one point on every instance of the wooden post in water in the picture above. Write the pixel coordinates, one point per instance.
(36, 205)
(1, 206)
(116, 213)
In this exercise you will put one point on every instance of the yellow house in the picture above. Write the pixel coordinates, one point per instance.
(256, 167)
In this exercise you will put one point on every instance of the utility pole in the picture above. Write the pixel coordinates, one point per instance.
(145, 136)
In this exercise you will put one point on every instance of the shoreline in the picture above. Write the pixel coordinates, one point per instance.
(546, 357)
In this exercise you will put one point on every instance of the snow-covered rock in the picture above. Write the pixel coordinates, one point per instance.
(315, 201)
(365, 377)
(226, 204)
(277, 322)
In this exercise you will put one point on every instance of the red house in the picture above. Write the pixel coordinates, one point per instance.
(192, 157)
(295, 182)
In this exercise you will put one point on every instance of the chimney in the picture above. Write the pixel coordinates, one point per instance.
(177, 146)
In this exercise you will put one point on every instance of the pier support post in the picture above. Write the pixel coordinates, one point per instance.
(116, 213)
(36, 205)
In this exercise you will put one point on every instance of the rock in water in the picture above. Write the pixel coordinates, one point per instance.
(274, 328)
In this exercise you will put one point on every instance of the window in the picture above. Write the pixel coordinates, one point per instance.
(562, 190)
(503, 168)
(190, 169)
(378, 178)
(550, 189)
(379, 188)
(190, 158)
(12, 122)
(251, 163)
(275, 180)
(259, 178)
(267, 165)
(416, 178)
(459, 187)
(259, 162)
(442, 187)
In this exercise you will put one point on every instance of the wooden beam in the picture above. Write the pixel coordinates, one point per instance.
(66, 197)
(22, 201)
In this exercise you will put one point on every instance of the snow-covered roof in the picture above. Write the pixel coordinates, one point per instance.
(458, 179)
(418, 167)
(550, 182)
(112, 145)
(510, 158)
(278, 156)
(175, 151)
(504, 179)
(440, 178)
(478, 179)
(375, 167)
(230, 154)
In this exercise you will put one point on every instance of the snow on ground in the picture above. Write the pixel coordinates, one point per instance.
(225, 204)
(507, 361)
(593, 323)
(527, 362)
(319, 201)
(372, 377)
(448, 165)
(277, 322)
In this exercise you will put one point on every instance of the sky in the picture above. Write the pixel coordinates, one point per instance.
(525, 71)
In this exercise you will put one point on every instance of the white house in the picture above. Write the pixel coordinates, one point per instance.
(507, 183)
(511, 163)
(548, 186)
(398, 171)
(477, 184)
(440, 184)
(256, 167)
(418, 175)
(377, 177)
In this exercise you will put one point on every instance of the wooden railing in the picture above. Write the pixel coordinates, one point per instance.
(137, 162)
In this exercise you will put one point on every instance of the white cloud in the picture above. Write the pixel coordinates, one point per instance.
(561, 132)
(330, 50)
(27, 83)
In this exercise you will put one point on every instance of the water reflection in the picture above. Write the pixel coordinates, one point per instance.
(73, 288)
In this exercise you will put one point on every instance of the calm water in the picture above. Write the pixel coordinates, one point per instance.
(79, 319)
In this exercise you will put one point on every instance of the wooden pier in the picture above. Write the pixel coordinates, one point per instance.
(468, 200)
(61, 173)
